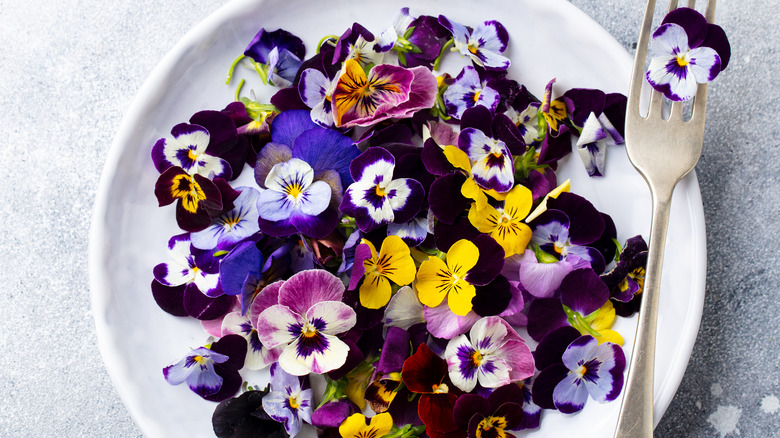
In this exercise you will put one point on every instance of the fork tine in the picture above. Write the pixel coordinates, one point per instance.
(656, 109)
(700, 101)
(635, 90)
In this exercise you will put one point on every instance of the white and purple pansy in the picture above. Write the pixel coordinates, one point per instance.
(492, 166)
(233, 226)
(187, 149)
(595, 370)
(293, 202)
(484, 45)
(277, 55)
(686, 51)
(359, 44)
(375, 198)
(306, 321)
(197, 369)
(468, 90)
(493, 354)
(287, 402)
(527, 121)
(316, 90)
(597, 134)
(189, 266)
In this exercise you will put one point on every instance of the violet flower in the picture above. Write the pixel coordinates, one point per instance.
(189, 266)
(484, 45)
(233, 226)
(187, 149)
(468, 90)
(288, 402)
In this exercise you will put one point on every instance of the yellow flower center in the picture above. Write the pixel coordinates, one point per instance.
(580, 371)
(441, 389)
(293, 401)
(309, 331)
(477, 358)
(192, 155)
(476, 96)
(492, 427)
(185, 188)
(294, 190)
(682, 61)
(380, 191)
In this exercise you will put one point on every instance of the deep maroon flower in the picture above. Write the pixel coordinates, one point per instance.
(425, 373)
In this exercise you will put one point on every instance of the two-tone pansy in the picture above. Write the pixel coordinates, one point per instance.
(393, 264)
(197, 197)
(358, 44)
(375, 198)
(467, 90)
(233, 226)
(494, 416)
(493, 354)
(306, 321)
(197, 269)
(386, 92)
(505, 224)
(288, 402)
(484, 45)
(277, 56)
(356, 426)
(425, 373)
(686, 51)
(187, 150)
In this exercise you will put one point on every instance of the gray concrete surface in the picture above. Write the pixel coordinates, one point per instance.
(69, 69)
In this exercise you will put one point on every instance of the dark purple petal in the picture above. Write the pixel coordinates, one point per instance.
(615, 110)
(583, 291)
(552, 346)
(505, 130)
(289, 125)
(445, 235)
(201, 307)
(333, 413)
(277, 229)
(347, 39)
(170, 299)
(606, 243)
(580, 102)
(586, 225)
(264, 41)
(544, 316)
(414, 202)
(354, 357)
(243, 260)
(434, 160)
(469, 405)
(492, 298)
(555, 147)
(692, 21)
(395, 351)
(478, 117)
(288, 99)
(445, 199)
(545, 382)
(326, 149)
(221, 128)
(490, 262)
(511, 393)
(717, 40)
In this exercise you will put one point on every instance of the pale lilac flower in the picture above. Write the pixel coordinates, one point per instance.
(287, 402)
(484, 45)
(197, 369)
(233, 226)
(468, 90)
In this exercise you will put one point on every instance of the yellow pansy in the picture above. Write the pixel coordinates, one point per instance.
(394, 264)
(355, 426)
(506, 225)
(437, 279)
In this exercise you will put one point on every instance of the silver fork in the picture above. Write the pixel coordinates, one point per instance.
(663, 151)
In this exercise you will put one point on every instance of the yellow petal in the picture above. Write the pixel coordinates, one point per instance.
(352, 426)
(518, 202)
(542, 207)
(471, 190)
(370, 246)
(457, 158)
(459, 298)
(433, 281)
(375, 291)
(396, 261)
(461, 257)
(605, 317)
(486, 219)
(353, 81)
(610, 336)
(513, 236)
(382, 424)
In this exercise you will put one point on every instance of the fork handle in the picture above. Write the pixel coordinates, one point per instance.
(636, 411)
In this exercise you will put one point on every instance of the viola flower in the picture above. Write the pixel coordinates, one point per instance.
(686, 51)
(393, 264)
(277, 56)
(316, 91)
(417, 41)
(288, 402)
(358, 44)
(626, 280)
(233, 226)
(413, 232)
(492, 167)
(294, 202)
(375, 198)
(441, 196)
(540, 278)
(244, 416)
(455, 278)
(189, 266)
(387, 92)
(197, 196)
(404, 309)
(493, 416)
(306, 321)
(493, 354)
(187, 150)
(211, 371)
(425, 373)
(484, 45)
(527, 121)
(355, 426)
(468, 90)
(506, 225)
(595, 370)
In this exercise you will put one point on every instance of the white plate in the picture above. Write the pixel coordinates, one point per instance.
(549, 38)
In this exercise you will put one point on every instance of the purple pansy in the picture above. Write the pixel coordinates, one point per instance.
(288, 402)
(278, 53)
(484, 45)
(468, 90)
(595, 370)
(306, 321)
(316, 91)
(493, 416)
(492, 168)
(359, 44)
(686, 51)
(493, 354)
(233, 226)
(187, 149)
(189, 266)
(375, 198)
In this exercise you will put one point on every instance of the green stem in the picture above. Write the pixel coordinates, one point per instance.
(238, 89)
(446, 46)
(233, 68)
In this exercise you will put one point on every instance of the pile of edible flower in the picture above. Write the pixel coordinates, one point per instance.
(404, 239)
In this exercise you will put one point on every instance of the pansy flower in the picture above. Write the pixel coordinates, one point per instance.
(484, 45)
(468, 90)
(386, 92)
(493, 416)
(493, 354)
(190, 266)
(277, 56)
(375, 198)
(626, 280)
(316, 91)
(233, 226)
(211, 371)
(425, 373)
(455, 278)
(355, 426)
(306, 321)
(294, 202)
(198, 197)
(187, 150)
(505, 224)
(288, 402)
(359, 45)
(594, 370)
(492, 168)
(686, 51)
(417, 41)
(392, 264)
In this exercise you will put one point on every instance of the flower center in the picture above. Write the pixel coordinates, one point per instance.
(580, 371)
(309, 331)
(682, 60)
(294, 190)
(293, 401)
(477, 358)
(185, 188)
(380, 191)
(192, 155)
(491, 427)
(476, 97)
(441, 389)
